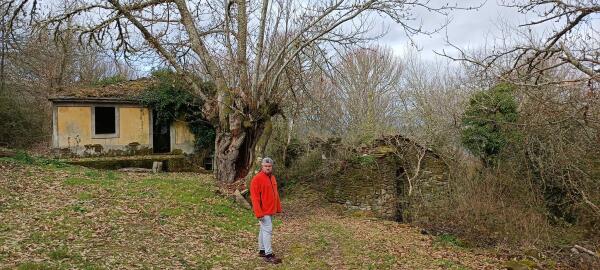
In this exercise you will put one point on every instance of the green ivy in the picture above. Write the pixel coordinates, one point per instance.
(171, 99)
(488, 121)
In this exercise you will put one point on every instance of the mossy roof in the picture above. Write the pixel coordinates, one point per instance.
(127, 91)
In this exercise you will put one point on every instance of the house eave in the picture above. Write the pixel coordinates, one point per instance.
(94, 100)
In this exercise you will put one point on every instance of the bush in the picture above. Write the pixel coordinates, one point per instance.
(487, 122)
(305, 169)
(486, 206)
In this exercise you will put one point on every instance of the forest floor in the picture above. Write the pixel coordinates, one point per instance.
(58, 216)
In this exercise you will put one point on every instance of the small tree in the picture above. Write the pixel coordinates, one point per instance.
(487, 121)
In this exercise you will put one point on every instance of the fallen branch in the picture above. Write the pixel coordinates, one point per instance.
(582, 249)
(239, 198)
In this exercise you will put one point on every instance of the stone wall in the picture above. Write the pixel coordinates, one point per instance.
(171, 163)
(367, 186)
(375, 179)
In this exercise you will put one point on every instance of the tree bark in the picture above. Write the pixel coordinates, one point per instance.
(259, 151)
(264, 139)
(2, 54)
(235, 150)
(288, 140)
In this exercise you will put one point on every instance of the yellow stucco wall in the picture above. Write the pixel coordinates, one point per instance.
(183, 134)
(74, 127)
(73, 130)
(184, 138)
(134, 126)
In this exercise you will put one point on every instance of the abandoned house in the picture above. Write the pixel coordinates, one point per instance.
(110, 120)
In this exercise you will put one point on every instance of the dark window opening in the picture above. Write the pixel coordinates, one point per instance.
(105, 121)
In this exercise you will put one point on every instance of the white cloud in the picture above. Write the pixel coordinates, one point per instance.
(467, 28)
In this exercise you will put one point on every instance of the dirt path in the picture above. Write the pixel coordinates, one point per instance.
(315, 237)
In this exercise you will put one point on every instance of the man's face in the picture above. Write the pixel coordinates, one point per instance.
(267, 168)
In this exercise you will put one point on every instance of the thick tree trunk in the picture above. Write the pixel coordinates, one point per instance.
(261, 146)
(235, 151)
(259, 151)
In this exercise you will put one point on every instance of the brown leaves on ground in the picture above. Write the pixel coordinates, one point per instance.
(64, 217)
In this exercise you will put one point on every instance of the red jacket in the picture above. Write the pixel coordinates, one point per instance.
(264, 195)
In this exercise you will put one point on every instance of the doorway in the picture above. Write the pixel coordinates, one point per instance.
(161, 137)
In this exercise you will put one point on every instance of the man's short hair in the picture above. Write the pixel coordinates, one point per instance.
(267, 160)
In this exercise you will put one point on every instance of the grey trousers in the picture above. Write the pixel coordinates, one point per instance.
(264, 234)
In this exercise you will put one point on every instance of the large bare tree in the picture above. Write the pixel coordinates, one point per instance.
(244, 47)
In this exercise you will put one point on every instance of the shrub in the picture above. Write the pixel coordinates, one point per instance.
(23, 157)
(306, 170)
(487, 121)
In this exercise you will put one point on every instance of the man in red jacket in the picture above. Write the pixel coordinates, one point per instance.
(265, 203)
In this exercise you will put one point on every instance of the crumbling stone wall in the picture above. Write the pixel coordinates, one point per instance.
(367, 185)
(374, 179)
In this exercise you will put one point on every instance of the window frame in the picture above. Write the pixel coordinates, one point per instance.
(106, 135)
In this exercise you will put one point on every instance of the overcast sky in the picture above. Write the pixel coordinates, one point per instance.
(467, 29)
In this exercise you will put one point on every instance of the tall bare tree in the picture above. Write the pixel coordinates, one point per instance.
(366, 83)
(244, 47)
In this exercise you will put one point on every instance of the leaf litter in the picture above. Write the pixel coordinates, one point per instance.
(71, 217)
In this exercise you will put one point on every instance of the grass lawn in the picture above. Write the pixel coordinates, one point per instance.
(56, 216)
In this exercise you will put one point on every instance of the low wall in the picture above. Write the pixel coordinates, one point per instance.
(171, 163)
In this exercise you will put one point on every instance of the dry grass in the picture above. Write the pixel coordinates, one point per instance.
(502, 210)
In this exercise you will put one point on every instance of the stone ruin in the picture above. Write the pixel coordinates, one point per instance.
(375, 177)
